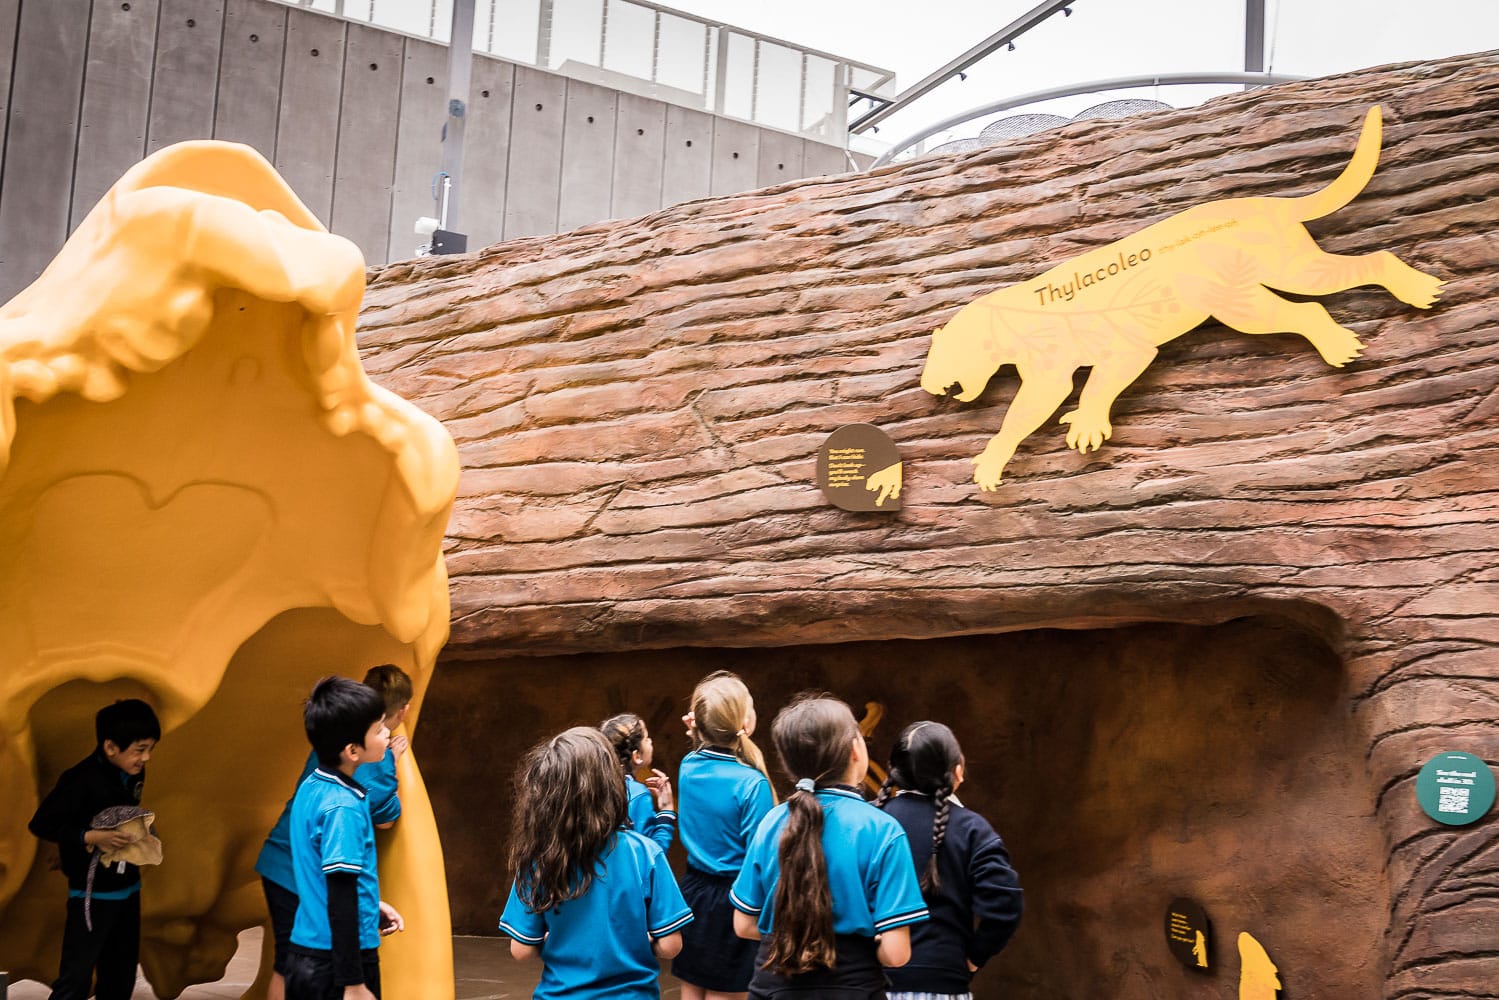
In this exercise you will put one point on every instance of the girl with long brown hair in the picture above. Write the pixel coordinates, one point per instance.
(722, 792)
(595, 901)
(827, 884)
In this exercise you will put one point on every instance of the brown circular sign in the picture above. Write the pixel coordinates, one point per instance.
(1188, 933)
(858, 468)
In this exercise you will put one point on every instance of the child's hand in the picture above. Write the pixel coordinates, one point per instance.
(390, 920)
(690, 722)
(399, 745)
(108, 840)
(660, 786)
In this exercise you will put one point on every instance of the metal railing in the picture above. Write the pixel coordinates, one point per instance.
(645, 48)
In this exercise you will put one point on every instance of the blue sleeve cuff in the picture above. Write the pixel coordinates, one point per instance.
(522, 938)
(744, 907)
(671, 928)
(899, 920)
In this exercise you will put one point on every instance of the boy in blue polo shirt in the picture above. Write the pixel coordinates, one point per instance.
(340, 917)
(381, 790)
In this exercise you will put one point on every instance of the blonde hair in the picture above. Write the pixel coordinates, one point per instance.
(720, 704)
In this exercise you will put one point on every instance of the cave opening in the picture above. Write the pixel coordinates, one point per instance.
(1123, 767)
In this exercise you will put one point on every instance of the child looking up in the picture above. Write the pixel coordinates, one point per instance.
(126, 733)
(723, 793)
(378, 780)
(972, 891)
(340, 917)
(631, 741)
(828, 885)
(597, 902)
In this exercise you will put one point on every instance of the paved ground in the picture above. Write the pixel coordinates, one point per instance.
(483, 965)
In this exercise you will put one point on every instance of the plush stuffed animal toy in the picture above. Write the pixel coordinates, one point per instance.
(144, 847)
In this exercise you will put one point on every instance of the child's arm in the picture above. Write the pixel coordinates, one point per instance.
(60, 817)
(381, 789)
(997, 898)
(343, 922)
(667, 947)
(893, 947)
(745, 926)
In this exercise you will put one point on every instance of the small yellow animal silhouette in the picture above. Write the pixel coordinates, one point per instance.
(1110, 308)
(1258, 976)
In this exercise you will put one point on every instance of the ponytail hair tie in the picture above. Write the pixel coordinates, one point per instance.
(806, 785)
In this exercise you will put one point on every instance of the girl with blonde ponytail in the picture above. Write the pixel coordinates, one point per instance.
(969, 884)
(828, 886)
(722, 794)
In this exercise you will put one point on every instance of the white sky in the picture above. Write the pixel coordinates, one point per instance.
(1105, 38)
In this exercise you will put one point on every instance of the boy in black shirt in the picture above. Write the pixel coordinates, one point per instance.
(113, 775)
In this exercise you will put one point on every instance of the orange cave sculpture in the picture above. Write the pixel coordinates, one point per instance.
(205, 502)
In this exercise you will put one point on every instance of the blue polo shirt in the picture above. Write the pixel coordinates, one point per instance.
(720, 802)
(644, 817)
(379, 783)
(331, 832)
(870, 872)
(599, 945)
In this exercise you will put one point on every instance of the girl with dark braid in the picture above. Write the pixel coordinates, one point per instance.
(966, 876)
(827, 886)
(651, 807)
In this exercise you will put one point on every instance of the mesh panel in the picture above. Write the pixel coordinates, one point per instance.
(1017, 125)
(1120, 109)
(957, 146)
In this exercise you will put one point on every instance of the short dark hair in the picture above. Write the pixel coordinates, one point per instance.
(126, 721)
(339, 711)
(392, 684)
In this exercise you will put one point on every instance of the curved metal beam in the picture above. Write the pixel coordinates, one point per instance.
(1073, 89)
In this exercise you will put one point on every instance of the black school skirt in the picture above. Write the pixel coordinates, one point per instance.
(856, 975)
(712, 955)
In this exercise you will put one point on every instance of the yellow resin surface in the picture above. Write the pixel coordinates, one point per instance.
(205, 502)
(1111, 308)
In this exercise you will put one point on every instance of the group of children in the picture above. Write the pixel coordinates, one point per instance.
(824, 894)
(317, 867)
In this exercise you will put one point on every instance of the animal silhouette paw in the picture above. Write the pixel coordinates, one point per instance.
(1417, 289)
(988, 470)
(1086, 432)
(1338, 347)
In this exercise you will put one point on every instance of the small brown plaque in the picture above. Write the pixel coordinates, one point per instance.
(858, 468)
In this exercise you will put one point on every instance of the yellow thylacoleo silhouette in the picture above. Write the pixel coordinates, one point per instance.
(1111, 308)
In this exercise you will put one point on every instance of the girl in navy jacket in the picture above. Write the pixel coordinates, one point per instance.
(966, 877)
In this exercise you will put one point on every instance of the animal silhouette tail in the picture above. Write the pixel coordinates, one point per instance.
(1351, 181)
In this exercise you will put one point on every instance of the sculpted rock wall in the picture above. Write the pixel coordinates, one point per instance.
(638, 405)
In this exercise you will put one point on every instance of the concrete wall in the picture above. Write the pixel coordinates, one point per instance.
(350, 114)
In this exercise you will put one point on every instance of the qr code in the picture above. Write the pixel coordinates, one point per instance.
(1452, 800)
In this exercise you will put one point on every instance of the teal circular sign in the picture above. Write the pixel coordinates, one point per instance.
(1455, 788)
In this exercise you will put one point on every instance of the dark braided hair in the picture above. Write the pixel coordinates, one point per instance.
(626, 734)
(924, 759)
